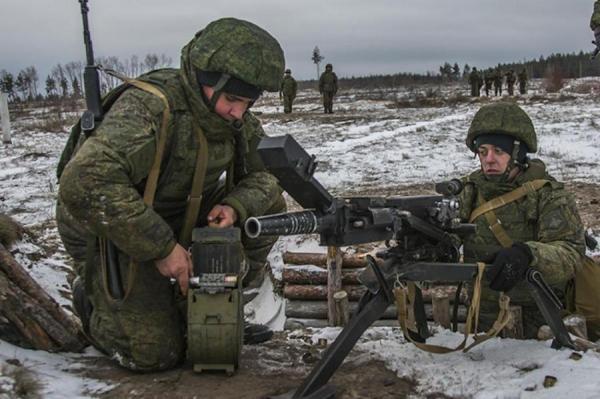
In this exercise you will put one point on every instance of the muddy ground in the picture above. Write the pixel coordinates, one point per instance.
(267, 370)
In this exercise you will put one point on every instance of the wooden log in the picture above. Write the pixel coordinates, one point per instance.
(294, 324)
(342, 308)
(309, 258)
(576, 325)
(35, 314)
(317, 277)
(319, 292)
(318, 310)
(441, 308)
(514, 328)
(334, 281)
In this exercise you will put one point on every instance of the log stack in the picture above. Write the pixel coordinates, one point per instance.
(31, 318)
(305, 290)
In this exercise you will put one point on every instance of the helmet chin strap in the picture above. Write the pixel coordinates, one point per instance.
(217, 91)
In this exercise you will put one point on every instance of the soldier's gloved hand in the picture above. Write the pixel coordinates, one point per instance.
(509, 267)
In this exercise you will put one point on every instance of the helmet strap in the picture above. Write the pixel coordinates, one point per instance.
(218, 90)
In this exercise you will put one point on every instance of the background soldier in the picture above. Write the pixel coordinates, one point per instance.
(476, 82)
(288, 89)
(328, 86)
(488, 80)
(498, 78)
(510, 82)
(100, 193)
(542, 229)
(595, 23)
(523, 81)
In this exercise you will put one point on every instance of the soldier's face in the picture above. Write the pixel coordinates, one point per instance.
(494, 160)
(228, 106)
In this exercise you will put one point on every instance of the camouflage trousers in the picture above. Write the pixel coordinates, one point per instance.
(147, 331)
(287, 103)
(328, 102)
(523, 88)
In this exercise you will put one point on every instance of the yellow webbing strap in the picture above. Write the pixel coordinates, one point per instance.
(526, 188)
(195, 197)
(405, 296)
(496, 227)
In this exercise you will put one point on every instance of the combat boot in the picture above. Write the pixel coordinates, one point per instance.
(81, 304)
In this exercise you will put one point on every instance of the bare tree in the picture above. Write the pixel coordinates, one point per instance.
(151, 61)
(317, 58)
(74, 71)
(58, 73)
(50, 86)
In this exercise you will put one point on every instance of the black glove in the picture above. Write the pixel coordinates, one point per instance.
(509, 267)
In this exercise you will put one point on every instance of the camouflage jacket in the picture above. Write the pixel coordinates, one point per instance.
(546, 220)
(289, 86)
(475, 79)
(595, 20)
(101, 186)
(328, 82)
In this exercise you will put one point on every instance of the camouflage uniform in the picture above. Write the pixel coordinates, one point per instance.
(328, 86)
(545, 220)
(523, 81)
(475, 81)
(510, 82)
(498, 82)
(100, 193)
(288, 89)
(488, 80)
(595, 20)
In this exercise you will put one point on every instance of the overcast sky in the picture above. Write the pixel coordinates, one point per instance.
(359, 37)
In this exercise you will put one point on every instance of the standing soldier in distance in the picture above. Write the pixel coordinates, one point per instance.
(328, 86)
(498, 78)
(523, 81)
(288, 89)
(475, 81)
(510, 82)
(224, 69)
(488, 80)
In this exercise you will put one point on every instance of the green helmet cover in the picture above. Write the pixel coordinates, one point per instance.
(502, 118)
(240, 49)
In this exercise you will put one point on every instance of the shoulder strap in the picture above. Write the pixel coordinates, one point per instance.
(526, 188)
(487, 209)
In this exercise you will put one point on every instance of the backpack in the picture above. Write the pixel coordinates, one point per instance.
(583, 295)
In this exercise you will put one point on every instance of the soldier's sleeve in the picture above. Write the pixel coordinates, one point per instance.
(98, 186)
(595, 20)
(561, 243)
(256, 191)
(321, 82)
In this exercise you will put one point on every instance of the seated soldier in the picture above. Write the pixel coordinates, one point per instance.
(541, 229)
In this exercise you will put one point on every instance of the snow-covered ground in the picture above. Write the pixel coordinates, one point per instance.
(368, 144)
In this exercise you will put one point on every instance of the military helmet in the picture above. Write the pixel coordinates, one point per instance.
(328, 66)
(239, 49)
(288, 71)
(502, 118)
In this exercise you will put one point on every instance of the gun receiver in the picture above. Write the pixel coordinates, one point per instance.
(424, 235)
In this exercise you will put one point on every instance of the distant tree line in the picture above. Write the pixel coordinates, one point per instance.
(65, 81)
